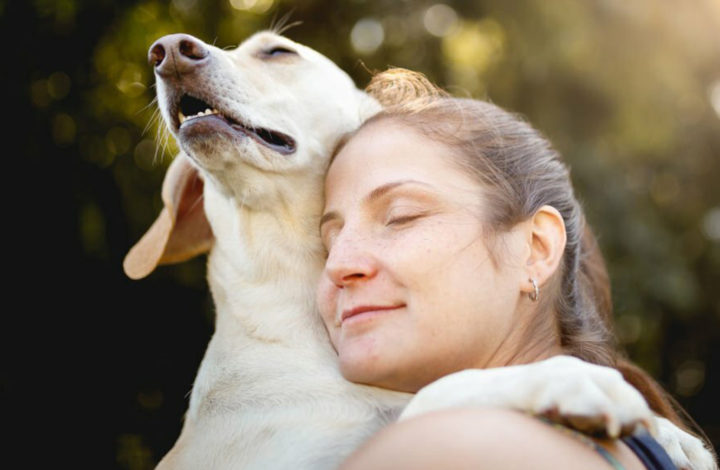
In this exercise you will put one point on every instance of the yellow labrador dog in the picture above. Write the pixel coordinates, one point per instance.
(256, 126)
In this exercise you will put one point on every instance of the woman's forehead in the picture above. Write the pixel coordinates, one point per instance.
(387, 144)
(384, 154)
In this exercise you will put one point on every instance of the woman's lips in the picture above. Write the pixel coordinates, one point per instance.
(366, 311)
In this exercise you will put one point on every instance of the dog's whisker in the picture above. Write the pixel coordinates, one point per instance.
(155, 113)
(165, 141)
(158, 129)
(147, 126)
(154, 120)
(289, 25)
(276, 25)
(273, 22)
(161, 144)
(282, 25)
(151, 103)
(166, 147)
(157, 150)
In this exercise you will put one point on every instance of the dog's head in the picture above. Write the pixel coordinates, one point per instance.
(256, 126)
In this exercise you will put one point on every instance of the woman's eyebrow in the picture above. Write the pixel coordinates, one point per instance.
(380, 191)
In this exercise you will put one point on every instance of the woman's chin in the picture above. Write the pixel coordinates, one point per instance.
(375, 373)
(372, 359)
(363, 369)
(359, 370)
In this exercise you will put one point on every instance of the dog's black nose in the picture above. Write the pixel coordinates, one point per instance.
(177, 53)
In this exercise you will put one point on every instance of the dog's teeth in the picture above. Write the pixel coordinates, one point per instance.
(207, 112)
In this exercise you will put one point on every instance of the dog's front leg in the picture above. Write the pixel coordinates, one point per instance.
(585, 396)
(590, 398)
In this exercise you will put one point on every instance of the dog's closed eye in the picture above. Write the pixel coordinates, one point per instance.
(276, 51)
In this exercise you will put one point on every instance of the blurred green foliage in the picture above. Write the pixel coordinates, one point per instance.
(629, 92)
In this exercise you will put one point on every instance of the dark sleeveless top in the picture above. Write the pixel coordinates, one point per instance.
(652, 455)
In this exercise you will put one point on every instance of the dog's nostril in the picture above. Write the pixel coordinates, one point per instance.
(156, 55)
(192, 49)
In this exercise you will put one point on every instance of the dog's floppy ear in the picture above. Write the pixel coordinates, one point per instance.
(181, 231)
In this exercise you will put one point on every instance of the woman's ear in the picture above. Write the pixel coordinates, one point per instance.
(546, 240)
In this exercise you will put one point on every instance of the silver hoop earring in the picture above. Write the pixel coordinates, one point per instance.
(535, 294)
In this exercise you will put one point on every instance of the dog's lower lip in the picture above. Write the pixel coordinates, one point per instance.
(277, 141)
(274, 140)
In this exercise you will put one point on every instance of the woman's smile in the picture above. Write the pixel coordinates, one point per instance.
(362, 313)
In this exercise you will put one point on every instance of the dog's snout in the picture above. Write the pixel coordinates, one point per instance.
(177, 53)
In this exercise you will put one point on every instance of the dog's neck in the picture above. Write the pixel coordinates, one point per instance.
(264, 265)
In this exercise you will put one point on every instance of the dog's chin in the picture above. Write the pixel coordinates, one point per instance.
(211, 134)
(207, 139)
(204, 131)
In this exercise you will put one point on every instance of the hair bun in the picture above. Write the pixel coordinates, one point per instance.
(397, 86)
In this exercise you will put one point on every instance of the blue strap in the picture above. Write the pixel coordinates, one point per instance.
(652, 455)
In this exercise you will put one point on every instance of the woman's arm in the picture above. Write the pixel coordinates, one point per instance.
(481, 438)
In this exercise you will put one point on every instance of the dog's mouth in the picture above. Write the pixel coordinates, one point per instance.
(191, 109)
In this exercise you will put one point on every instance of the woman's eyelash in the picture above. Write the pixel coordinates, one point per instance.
(403, 219)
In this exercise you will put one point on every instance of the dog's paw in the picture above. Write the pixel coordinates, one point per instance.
(686, 451)
(584, 396)
(590, 398)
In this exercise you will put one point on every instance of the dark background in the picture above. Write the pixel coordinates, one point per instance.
(98, 368)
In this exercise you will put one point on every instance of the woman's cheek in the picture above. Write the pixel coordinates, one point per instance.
(326, 302)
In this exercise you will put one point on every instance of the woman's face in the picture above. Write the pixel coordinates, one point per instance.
(409, 292)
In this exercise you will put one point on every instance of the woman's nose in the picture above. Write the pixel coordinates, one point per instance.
(349, 261)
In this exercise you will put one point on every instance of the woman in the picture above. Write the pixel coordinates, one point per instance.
(455, 241)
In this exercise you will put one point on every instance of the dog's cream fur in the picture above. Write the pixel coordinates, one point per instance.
(268, 394)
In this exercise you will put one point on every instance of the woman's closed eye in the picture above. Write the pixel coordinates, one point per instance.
(398, 217)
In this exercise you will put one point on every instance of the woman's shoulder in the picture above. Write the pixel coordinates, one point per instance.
(482, 438)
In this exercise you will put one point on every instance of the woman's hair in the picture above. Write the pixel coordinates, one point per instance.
(519, 171)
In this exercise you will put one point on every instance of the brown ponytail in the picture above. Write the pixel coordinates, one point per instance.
(593, 274)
